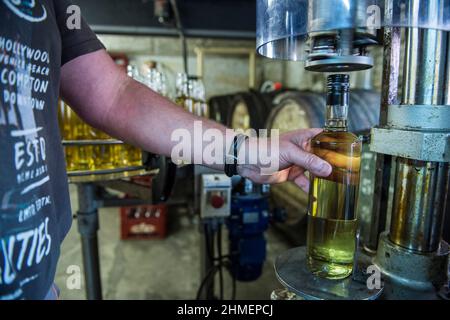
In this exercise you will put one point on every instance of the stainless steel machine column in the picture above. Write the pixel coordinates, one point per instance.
(411, 255)
(447, 72)
(389, 96)
(446, 231)
(418, 205)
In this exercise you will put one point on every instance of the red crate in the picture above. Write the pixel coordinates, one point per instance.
(143, 180)
(143, 222)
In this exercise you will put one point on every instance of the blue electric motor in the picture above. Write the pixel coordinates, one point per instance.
(248, 221)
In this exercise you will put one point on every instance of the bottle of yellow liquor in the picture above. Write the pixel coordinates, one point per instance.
(63, 116)
(66, 130)
(134, 154)
(78, 157)
(82, 155)
(332, 224)
(184, 88)
(126, 155)
(103, 153)
(200, 106)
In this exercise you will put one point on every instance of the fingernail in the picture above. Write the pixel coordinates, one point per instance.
(302, 184)
(306, 187)
(325, 169)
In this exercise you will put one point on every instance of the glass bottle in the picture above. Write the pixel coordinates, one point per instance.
(155, 80)
(332, 224)
(103, 153)
(66, 131)
(127, 155)
(78, 157)
(189, 103)
(82, 154)
(183, 92)
(200, 106)
(163, 85)
(181, 88)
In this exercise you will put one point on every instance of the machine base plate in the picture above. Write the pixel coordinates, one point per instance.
(292, 271)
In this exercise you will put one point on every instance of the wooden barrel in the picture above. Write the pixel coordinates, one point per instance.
(243, 110)
(218, 108)
(297, 110)
(305, 109)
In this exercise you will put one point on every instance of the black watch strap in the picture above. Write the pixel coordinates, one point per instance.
(230, 167)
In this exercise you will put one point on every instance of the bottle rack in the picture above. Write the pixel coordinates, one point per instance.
(82, 176)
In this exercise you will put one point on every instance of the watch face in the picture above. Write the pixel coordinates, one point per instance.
(290, 116)
(241, 117)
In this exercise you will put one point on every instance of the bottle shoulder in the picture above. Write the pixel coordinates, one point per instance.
(336, 137)
(341, 142)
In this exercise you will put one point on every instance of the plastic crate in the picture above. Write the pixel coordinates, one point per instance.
(143, 222)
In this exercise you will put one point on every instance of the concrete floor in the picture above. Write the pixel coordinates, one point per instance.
(154, 269)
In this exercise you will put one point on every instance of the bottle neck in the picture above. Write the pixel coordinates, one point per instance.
(336, 118)
(337, 108)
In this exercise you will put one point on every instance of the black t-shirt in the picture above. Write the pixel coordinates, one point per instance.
(35, 41)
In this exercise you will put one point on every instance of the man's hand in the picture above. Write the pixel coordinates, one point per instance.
(294, 160)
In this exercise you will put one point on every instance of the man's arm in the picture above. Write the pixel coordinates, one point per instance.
(106, 98)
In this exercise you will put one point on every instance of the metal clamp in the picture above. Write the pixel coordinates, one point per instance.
(419, 117)
(339, 63)
(411, 144)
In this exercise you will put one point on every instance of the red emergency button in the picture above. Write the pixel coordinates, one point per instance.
(217, 201)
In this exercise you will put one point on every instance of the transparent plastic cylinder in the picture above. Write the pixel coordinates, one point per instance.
(284, 26)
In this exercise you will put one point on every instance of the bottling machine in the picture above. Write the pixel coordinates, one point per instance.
(412, 140)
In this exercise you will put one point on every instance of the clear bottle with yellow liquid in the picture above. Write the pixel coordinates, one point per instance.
(104, 157)
(65, 130)
(201, 108)
(78, 157)
(332, 223)
(184, 88)
(126, 155)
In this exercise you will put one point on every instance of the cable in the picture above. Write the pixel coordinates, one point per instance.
(209, 247)
(233, 277)
(220, 262)
(228, 266)
(210, 273)
(219, 252)
(233, 293)
(180, 29)
(226, 256)
(209, 251)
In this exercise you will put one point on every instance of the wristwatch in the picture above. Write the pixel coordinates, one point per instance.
(231, 158)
